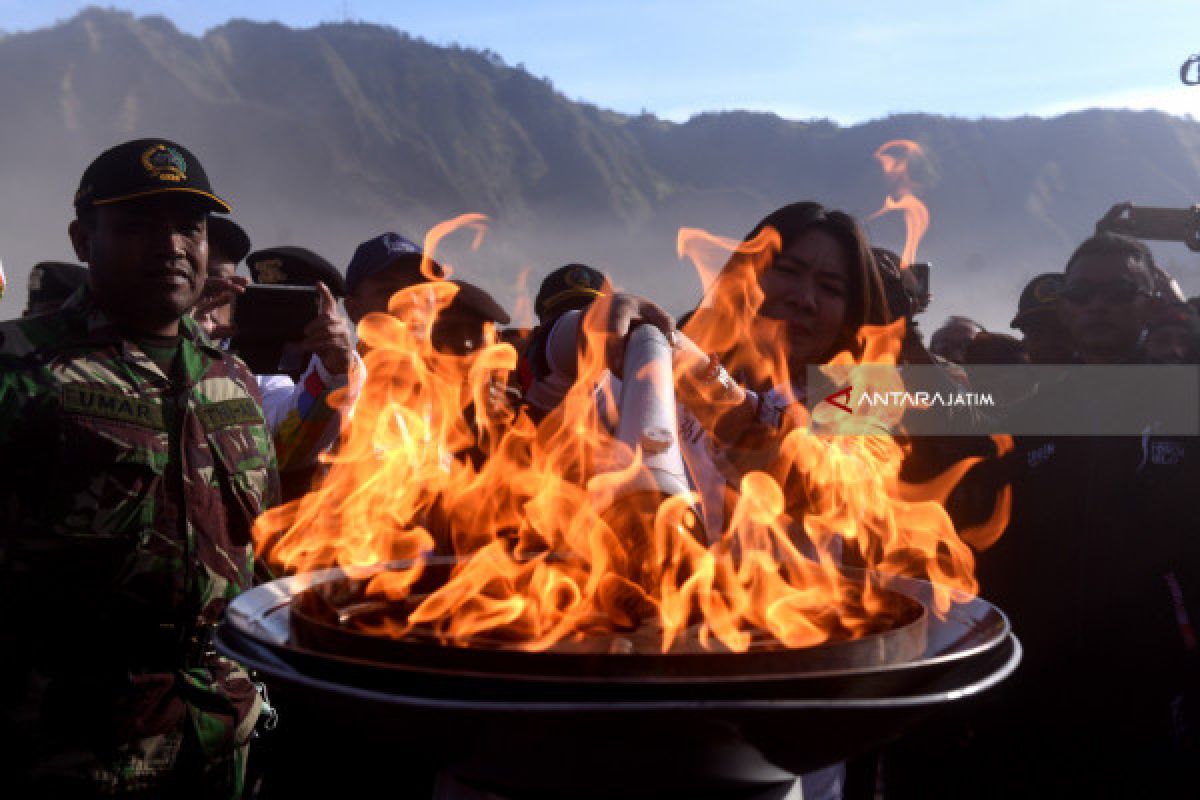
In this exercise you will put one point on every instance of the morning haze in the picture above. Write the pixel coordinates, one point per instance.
(322, 137)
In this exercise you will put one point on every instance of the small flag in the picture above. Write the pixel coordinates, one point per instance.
(3, 281)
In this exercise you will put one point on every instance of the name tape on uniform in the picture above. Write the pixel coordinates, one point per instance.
(113, 405)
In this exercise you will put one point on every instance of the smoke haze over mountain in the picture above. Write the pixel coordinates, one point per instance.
(325, 136)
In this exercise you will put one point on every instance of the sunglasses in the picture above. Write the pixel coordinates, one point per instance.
(1118, 292)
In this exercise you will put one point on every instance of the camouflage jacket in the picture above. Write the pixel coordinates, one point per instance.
(126, 503)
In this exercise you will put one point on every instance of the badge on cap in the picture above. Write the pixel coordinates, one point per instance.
(165, 163)
(400, 245)
(270, 270)
(1045, 292)
(578, 278)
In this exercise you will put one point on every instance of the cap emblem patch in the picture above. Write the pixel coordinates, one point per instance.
(1045, 292)
(165, 163)
(578, 279)
(270, 270)
(400, 245)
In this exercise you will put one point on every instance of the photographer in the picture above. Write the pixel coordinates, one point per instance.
(1099, 567)
(303, 417)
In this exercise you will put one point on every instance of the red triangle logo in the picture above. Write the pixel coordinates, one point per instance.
(844, 394)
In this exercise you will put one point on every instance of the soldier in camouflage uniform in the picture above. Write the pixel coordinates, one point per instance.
(133, 460)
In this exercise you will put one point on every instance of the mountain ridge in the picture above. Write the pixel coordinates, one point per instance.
(323, 136)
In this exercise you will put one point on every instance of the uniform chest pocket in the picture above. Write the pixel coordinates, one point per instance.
(241, 465)
(112, 477)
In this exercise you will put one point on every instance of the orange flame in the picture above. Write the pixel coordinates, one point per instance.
(708, 253)
(894, 157)
(522, 315)
(431, 464)
(474, 222)
(727, 320)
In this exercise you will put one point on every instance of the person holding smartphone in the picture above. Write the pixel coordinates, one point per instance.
(303, 419)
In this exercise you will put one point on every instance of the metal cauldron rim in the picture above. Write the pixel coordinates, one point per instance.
(971, 628)
(315, 632)
(262, 659)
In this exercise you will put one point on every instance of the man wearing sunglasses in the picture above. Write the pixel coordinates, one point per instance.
(1107, 298)
(1099, 569)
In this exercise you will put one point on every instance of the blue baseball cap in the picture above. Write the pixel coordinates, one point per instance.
(387, 251)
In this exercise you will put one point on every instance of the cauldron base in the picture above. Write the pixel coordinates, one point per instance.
(541, 739)
(596, 750)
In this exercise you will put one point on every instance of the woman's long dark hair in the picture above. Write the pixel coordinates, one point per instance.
(736, 289)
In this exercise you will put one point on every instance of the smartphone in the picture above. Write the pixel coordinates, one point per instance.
(269, 323)
(1160, 224)
(920, 271)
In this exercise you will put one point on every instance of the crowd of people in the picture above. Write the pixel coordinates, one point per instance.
(137, 451)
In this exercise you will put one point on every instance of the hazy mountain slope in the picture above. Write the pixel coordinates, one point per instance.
(324, 136)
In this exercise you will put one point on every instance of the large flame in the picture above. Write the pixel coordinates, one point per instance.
(894, 157)
(523, 313)
(433, 463)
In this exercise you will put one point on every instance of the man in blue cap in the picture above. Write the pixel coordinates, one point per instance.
(382, 266)
(389, 263)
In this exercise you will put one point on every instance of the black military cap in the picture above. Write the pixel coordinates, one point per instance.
(295, 266)
(1040, 296)
(229, 237)
(568, 288)
(52, 282)
(475, 301)
(145, 167)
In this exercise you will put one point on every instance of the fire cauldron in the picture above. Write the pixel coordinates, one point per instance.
(550, 724)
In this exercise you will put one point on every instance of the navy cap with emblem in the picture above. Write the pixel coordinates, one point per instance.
(145, 167)
(568, 288)
(294, 266)
(388, 251)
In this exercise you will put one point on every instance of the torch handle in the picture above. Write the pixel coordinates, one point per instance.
(648, 419)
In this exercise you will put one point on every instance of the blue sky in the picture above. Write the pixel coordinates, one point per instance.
(849, 61)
